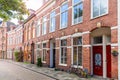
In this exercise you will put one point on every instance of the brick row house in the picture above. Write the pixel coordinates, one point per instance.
(15, 41)
(81, 33)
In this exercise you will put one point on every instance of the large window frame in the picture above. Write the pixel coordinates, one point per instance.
(64, 57)
(44, 25)
(52, 21)
(78, 19)
(38, 28)
(44, 52)
(65, 12)
(92, 17)
(77, 46)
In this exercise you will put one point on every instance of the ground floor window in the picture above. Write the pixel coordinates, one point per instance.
(44, 51)
(77, 51)
(63, 59)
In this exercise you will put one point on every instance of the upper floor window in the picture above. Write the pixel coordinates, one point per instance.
(44, 26)
(99, 8)
(52, 21)
(38, 28)
(64, 15)
(77, 11)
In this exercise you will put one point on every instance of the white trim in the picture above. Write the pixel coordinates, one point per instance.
(115, 27)
(118, 5)
(63, 64)
(65, 37)
(86, 45)
(69, 46)
(45, 41)
(114, 44)
(77, 34)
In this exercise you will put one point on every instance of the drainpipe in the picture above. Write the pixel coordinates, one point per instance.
(118, 6)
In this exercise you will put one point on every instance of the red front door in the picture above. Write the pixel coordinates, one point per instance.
(108, 57)
(98, 60)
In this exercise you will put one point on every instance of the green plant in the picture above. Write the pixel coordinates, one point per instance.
(17, 54)
(39, 62)
(114, 53)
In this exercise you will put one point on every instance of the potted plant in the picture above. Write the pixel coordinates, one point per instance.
(115, 53)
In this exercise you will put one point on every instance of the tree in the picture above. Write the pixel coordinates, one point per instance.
(12, 9)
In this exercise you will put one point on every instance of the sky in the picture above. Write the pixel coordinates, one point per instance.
(31, 4)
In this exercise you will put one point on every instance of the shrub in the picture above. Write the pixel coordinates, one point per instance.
(39, 62)
(17, 54)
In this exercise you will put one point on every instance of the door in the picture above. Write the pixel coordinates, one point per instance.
(52, 53)
(98, 60)
(32, 53)
(108, 57)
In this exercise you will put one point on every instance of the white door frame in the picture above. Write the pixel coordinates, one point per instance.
(104, 55)
(51, 52)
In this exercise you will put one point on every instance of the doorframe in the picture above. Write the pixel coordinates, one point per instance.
(103, 44)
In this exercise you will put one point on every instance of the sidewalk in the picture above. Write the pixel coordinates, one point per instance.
(58, 75)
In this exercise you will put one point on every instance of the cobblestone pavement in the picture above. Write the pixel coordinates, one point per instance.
(50, 72)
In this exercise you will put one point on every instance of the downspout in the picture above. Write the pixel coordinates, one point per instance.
(118, 6)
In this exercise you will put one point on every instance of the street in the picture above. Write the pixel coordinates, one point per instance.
(9, 71)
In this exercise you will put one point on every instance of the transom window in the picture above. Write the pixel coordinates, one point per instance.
(52, 21)
(44, 52)
(64, 15)
(44, 25)
(97, 40)
(77, 51)
(99, 8)
(63, 59)
(77, 11)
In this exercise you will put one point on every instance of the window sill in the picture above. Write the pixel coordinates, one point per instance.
(92, 18)
(75, 66)
(63, 64)
(77, 23)
(43, 61)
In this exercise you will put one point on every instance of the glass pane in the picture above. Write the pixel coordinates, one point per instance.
(75, 14)
(64, 7)
(80, 12)
(79, 55)
(44, 45)
(64, 42)
(77, 1)
(74, 55)
(103, 6)
(96, 5)
(98, 40)
(77, 41)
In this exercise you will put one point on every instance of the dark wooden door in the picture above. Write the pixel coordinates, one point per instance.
(98, 60)
(108, 57)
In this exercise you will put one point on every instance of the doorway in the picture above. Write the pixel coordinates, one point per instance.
(52, 53)
(32, 53)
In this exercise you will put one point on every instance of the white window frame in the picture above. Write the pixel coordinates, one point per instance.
(42, 52)
(62, 27)
(73, 12)
(99, 10)
(73, 51)
(51, 18)
(44, 22)
(37, 49)
(60, 54)
(38, 28)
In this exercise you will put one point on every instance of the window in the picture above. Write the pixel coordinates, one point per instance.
(77, 51)
(44, 52)
(44, 25)
(64, 15)
(99, 7)
(52, 21)
(38, 28)
(37, 51)
(97, 40)
(77, 11)
(63, 59)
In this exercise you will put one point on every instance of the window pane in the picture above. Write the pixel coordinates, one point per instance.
(98, 40)
(75, 14)
(64, 42)
(64, 7)
(103, 6)
(74, 55)
(77, 1)
(80, 12)
(80, 55)
(77, 41)
(96, 7)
